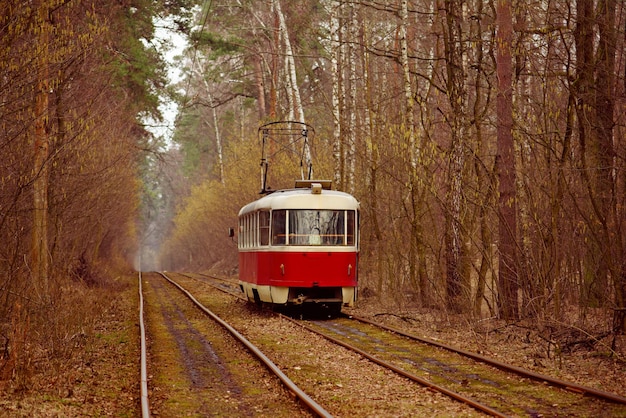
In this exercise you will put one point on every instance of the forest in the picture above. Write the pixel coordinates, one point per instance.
(483, 138)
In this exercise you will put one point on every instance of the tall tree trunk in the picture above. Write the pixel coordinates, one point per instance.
(352, 101)
(455, 86)
(595, 124)
(371, 144)
(409, 133)
(41, 151)
(605, 108)
(409, 101)
(619, 320)
(274, 69)
(555, 210)
(260, 85)
(290, 66)
(507, 277)
(583, 84)
(335, 54)
(293, 91)
(484, 175)
(218, 141)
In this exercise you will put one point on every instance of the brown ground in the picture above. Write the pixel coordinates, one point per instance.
(101, 378)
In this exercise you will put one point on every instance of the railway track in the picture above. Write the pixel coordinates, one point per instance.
(200, 368)
(570, 386)
(339, 380)
(490, 386)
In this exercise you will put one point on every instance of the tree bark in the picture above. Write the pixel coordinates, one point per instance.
(484, 175)
(595, 108)
(41, 151)
(613, 243)
(260, 85)
(409, 102)
(409, 137)
(455, 88)
(293, 91)
(352, 102)
(335, 54)
(507, 278)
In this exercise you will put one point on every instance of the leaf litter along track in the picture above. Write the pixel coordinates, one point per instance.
(502, 391)
(197, 368)
(548, 396)
(337, 378)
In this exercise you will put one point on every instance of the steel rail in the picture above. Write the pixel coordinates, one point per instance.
(423, 382)
(454, 395)
(571, 386)
(291, 386)
(145, 407)
(238, 294)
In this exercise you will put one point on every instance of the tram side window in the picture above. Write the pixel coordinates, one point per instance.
(264, 227)
(254, 228)
(279, 219)
(251, 230)
(242, 232)
(350, 228)
(240, 236)
(248, 231)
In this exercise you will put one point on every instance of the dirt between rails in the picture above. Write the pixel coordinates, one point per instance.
(103, 379)
(199, 369)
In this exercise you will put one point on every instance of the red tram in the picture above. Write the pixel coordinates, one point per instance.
(300, 246)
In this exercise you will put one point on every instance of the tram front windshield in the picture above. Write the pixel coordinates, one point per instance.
(313, 227)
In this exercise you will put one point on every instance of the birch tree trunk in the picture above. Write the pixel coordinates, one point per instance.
(218, 141)
(273, 66)
(290, 66)
(409, 102)
(260, 86)
(352, 102)
(293, 91)
(335, 53)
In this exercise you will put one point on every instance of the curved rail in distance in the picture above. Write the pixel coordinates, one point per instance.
(306, 399)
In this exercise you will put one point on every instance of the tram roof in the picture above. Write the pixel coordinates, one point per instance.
(303, 199)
